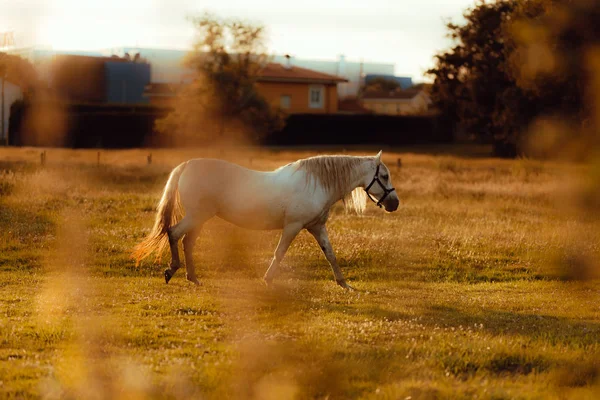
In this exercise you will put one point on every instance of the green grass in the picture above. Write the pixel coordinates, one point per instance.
(484, 284)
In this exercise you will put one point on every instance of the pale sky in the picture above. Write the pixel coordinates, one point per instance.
(406, 33)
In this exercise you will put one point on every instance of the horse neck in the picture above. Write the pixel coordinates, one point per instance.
(360, 175)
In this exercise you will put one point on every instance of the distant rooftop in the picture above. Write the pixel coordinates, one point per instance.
(404, 81)
(281, 73)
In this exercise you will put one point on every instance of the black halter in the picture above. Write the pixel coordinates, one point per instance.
(386, 191)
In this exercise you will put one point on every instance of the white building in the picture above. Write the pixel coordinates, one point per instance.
(12, 93)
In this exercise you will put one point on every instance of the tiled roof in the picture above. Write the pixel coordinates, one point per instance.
(274, 72)
(353, 106)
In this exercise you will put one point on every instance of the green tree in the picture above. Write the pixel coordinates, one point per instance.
(223, 100)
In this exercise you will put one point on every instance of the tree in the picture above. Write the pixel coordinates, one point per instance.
(19, 70)
(223, 100)
(382, 84)
(518, 68)
(472, 84)
(557, 61)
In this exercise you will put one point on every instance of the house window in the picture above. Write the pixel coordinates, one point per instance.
(285, 102)
(316, 96)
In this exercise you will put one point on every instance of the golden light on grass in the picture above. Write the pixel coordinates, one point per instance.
(464, 290)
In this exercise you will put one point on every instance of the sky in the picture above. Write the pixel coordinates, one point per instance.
(407, 33)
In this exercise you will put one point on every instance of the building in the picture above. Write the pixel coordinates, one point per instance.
(90, 79)
(403, 82)
(9, 93)
(352, 105)
(163, 94)
(168, 67)
(167, 64)
(353, 71)
(413, 101)
(42, 58)
(299, 90)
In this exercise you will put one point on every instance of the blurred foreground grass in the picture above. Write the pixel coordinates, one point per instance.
(483, 285)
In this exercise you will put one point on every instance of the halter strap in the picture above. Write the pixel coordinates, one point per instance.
(386, 191)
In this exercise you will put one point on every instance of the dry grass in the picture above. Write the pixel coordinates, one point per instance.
(482, 285)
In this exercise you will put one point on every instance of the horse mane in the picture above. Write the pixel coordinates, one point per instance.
(336, 173)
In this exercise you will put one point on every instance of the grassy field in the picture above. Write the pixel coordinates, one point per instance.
(484, 284)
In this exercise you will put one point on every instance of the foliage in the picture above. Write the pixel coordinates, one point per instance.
(19, 70)
(227, 58)
(517, 62)
(381, 83)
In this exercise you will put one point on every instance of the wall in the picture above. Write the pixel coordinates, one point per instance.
(417, 105)
(92, 125)
(79, 79)
(272, 92)
(167, 64)
(126, 82)
(343, 129)
(12, 93)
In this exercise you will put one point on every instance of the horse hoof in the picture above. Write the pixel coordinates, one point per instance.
(168, 275)
(268, 282)
(193, 280)
(343, 284)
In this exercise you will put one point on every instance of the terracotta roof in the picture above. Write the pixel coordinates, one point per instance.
(394, 94)
(353, 106)
(274, 72)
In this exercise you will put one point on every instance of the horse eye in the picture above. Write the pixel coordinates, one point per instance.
(384, 176)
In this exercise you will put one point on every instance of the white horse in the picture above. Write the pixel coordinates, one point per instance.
(294, 197)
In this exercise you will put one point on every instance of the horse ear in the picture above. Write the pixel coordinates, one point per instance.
(378, 157)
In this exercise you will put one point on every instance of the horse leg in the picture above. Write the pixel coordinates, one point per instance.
(320, 234)
(287, 236)
(175, 233)
(188, 247)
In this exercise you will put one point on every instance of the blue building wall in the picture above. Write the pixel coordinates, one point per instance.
(126, 81)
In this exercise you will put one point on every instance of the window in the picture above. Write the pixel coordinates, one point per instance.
(316, 96)
(285, 101)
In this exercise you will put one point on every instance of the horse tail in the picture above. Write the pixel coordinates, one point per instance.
(168, 212)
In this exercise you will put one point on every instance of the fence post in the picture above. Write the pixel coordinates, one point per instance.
(149, 158)
(399, 162)
(43, 158)
(98, 162)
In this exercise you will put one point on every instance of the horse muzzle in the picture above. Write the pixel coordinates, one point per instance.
(391, 204)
